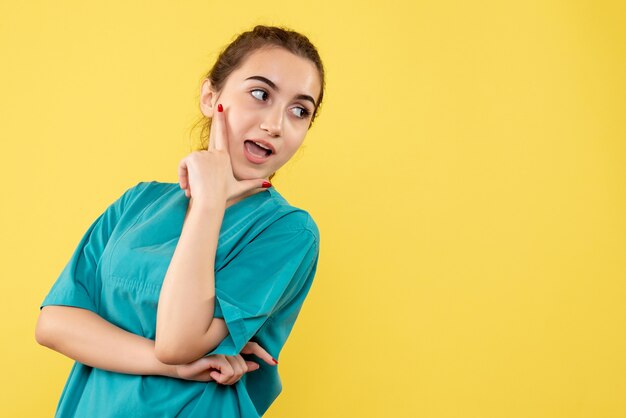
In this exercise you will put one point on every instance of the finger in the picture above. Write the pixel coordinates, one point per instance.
(212, 134)
(254, 348)
(252, 366)
(239, 361)
(243, 367)
(244, 186)
(183, 174)
(218, 129)
(226, 372)
(215, 375)
(237, 370)
(213, 125)
(222, 366)
(242, 363)
(222, 376)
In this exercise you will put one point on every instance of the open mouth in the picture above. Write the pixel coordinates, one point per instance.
(257, 149)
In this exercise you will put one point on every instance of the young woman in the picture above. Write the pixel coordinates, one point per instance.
(177, 287)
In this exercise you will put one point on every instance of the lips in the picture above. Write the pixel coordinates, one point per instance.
(254, 153)
(263, 144)
(253, 147)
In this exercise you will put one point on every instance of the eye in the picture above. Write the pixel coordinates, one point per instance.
(301, 112)
(259, 94)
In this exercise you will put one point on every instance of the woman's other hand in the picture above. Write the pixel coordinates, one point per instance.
(220, 368)
(226, 370)
(207, 175)
(254, 348)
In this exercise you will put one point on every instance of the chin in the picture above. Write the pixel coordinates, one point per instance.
(249, 174)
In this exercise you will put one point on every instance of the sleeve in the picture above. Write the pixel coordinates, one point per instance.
(266, 275)
(77, 285)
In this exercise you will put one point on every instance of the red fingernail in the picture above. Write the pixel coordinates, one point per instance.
(266, 184)
(220, 108)
(275, 361)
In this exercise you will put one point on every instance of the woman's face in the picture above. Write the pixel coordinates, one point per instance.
(269, 99)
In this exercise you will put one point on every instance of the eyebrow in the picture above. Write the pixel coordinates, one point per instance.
(275, 87)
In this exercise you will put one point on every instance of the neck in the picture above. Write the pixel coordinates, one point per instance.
(232, 201)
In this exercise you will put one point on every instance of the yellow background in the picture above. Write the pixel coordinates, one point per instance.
(467, 173)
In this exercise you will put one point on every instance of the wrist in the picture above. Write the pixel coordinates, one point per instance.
(203, 214)
(207, 206)
(170, 370)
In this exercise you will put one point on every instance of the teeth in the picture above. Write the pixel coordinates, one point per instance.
(261, 145)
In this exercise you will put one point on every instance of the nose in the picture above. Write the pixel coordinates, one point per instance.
(273, 122)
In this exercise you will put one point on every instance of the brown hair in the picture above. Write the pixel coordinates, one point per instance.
(235, 53)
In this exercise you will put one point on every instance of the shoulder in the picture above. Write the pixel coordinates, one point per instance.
(144, 193)
(298, 221)
(293, 220)
(150, 187)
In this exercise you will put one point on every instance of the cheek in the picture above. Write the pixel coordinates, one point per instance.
(291, 150)
(239, 123)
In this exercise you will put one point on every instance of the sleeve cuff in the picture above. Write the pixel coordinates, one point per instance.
(238, 324)
(75, 299)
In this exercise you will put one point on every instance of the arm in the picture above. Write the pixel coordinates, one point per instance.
(187, 299)
(84, 336)
(184, 329)
(88, 338)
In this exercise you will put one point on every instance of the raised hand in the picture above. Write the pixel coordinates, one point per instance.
(207, 176)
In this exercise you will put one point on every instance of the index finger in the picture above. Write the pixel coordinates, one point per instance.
(218, 136)
(254, 348)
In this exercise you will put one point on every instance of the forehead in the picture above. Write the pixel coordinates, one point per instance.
(291, 74)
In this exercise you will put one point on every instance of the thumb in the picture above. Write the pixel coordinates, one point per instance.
(216, 376)
(252, 366)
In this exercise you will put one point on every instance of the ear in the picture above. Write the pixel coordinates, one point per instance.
(208, 98)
